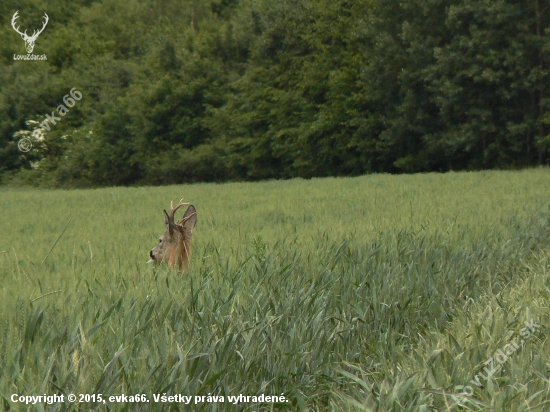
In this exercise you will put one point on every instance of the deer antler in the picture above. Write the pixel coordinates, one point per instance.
(14, 18)
(173, 209)
(37, 32)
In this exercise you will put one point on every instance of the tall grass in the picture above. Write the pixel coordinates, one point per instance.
(364, 293)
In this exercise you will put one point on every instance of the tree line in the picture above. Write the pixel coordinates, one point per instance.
(180, 91)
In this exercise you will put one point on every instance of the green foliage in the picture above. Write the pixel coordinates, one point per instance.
(490, 88)
(256, 89)
(372, 293)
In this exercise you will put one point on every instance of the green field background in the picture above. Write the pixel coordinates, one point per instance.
(378, 292)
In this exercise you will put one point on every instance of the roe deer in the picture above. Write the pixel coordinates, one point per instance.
(175, 245)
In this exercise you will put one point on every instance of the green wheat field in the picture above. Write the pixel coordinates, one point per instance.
(375, 293)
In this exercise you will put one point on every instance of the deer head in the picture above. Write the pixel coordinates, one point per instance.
(29, 40)
(174, 246)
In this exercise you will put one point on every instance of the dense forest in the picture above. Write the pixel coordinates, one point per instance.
(176, 91)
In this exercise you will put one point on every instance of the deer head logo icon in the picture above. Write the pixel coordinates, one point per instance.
(29, 40)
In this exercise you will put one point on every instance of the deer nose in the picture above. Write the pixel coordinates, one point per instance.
(151, 254)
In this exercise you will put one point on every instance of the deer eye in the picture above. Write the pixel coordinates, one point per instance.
(160, 240)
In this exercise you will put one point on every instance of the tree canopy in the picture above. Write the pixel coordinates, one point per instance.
(184, 90)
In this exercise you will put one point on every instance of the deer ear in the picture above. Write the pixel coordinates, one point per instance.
(191, 216)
